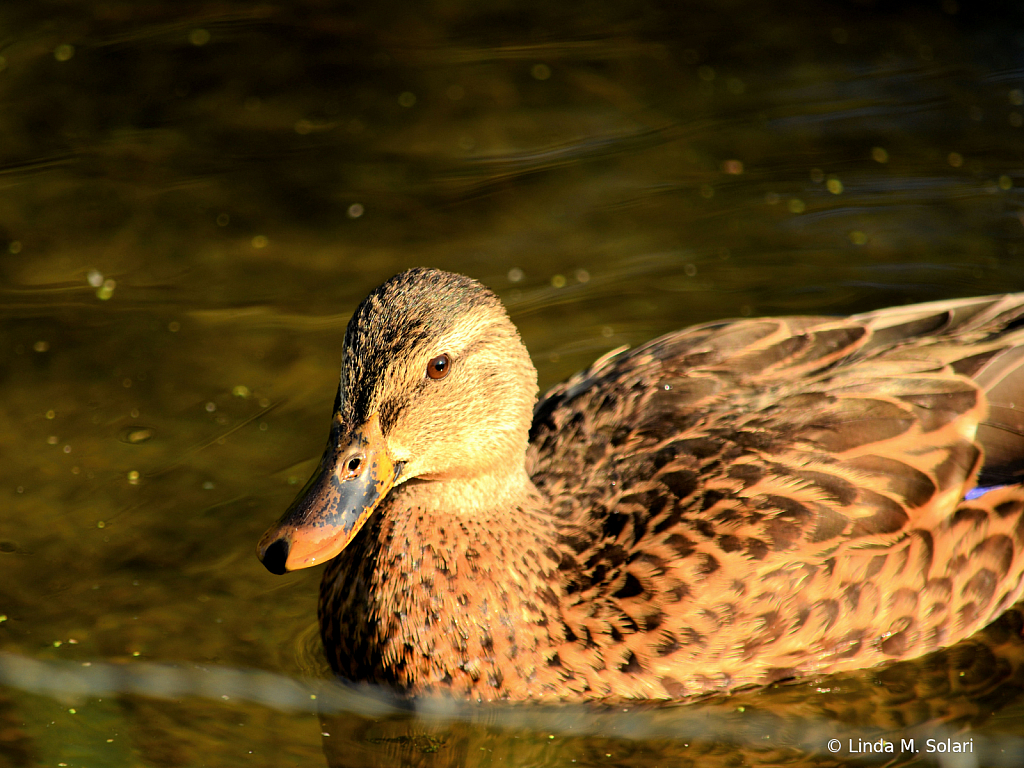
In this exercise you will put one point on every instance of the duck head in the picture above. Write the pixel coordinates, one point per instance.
(436, 386)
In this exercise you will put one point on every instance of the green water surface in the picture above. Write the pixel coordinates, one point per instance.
(195, 195)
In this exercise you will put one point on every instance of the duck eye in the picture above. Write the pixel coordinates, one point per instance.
(438, 367)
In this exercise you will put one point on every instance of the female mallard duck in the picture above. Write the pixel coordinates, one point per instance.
(727, 505)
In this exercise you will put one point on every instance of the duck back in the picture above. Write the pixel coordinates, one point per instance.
(751, 500)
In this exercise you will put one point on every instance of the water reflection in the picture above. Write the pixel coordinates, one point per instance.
(925, 702)
(193, 198)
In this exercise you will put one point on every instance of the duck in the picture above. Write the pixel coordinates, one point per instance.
(727, 506)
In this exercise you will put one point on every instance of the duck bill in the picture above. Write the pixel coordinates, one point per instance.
(353, 476)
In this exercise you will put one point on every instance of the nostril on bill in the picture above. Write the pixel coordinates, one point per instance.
(276, 556)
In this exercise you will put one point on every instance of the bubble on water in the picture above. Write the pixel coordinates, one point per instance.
(106, 290)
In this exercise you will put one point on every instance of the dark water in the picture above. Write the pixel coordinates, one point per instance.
(195, 195)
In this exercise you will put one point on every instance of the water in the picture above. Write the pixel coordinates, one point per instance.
(194, 197)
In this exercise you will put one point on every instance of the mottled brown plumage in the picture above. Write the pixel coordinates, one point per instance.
(728, 505)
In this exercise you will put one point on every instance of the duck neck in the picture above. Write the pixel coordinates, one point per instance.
(490, 493)
(442, 591)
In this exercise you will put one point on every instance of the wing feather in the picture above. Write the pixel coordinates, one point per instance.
(783, 483)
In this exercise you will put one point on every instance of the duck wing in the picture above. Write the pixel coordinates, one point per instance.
(748, 500)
